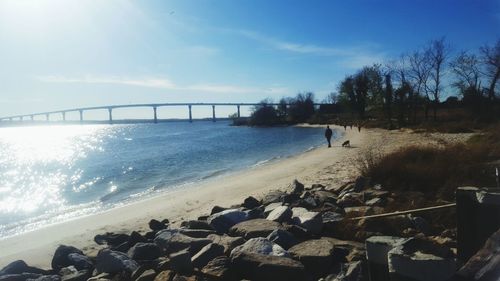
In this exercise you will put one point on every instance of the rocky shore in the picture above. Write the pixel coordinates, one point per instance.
(302, 233)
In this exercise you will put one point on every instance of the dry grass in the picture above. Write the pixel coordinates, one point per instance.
(436, 172)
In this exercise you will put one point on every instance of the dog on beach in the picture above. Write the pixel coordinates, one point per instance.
(347, 143)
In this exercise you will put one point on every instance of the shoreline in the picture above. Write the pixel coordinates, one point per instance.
(36, 247)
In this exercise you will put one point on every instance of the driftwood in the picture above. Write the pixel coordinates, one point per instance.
(397, 213)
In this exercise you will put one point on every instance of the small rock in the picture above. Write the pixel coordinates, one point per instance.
(196, 224)
(254, 228)
(144, 251)
(196, 233)
(181, 262)
(148, 275)
(222, 221)
(156, 225)
(349, 272)
(260, 246)
(296, 187)
(266, 268)
(351, 200)
(114, 262)
(269, 208)
(250, 203)
(60, 258)
(315, 255)
(218, 268)
(228, 242)
(375, 202)
(273, 196)
(217, 209)
(311, 221)
(173, 241)
(283, 238)
(377, 248)
(206, 254)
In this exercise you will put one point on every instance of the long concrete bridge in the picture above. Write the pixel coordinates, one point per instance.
(110, 109)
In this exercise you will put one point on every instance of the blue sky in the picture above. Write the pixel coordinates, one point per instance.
(58, 54)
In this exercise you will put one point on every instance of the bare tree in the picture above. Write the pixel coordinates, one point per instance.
(437, 53)
(419, 69)
(491, 60)
(466, 68)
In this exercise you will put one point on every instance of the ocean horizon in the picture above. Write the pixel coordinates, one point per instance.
(51, 174)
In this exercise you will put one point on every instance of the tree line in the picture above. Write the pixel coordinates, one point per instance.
(399, 89)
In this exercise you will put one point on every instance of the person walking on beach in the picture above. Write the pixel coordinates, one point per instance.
(328, 135)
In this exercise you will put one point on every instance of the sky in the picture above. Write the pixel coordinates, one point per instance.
(60, 54)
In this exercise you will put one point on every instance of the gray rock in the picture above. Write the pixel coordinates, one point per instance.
(74, 275)
(420, 260)
(80, 261)
(420, 224)
(260, 246)
(228, 242)
(114, 262)
(377, 248)
(269, 208)
(18, 267)
(20, 277)
(360, 184)
(47, 278)
(254, 228)
(206, 254)
(311, 221)
(144, 251)
(283, 238)
(166, 275)
(181, 262)
(315, 255)
(323, 197)
(196, 224)
(273, 196)
(222, 221)
(173, 241)
(351, 199)
(266, 268)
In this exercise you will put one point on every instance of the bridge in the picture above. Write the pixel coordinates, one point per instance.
(153, 106)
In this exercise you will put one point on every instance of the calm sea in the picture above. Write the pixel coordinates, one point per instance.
(50, 174)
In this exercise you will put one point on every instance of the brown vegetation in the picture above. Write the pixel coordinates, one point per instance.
(437, 171)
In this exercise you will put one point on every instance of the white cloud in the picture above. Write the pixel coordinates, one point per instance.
(350, 57)
(163, 83)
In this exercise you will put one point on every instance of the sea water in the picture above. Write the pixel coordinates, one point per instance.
(50, 174)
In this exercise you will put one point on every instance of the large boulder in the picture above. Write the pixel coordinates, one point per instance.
(254, 228)
(206, 254)
(274, 196)
(421, 260)
(315, 255)
(266, 268)
(228, 242)
(172, 240)
(311, 221)
(260, 246)
(222, 221)
(144, 251)
(280, 214)
(113, 262)
(60, 258)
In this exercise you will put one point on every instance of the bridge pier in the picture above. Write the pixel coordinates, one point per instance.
(155, 116)
(110, 113)
(63, 116)
(190, 114)
(81, 115)
(213, 113)
(238, 106)
(32, 118)
(47, 117)
(21, 118)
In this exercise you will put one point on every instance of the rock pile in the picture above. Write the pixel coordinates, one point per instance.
(300, 235)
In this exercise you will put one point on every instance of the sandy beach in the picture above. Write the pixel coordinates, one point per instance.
(331, 167)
